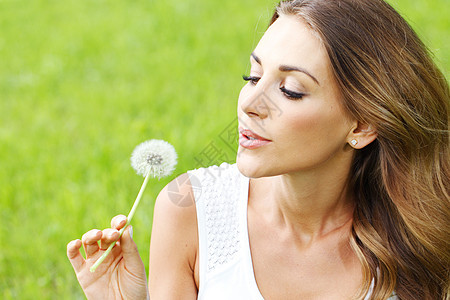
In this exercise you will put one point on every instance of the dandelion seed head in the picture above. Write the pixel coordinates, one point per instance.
(156, 157)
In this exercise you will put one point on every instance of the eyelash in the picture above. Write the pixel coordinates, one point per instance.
(289, 94)
(253, 80)
(292, 95)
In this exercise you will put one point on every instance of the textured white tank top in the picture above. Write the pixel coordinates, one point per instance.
(225, 262)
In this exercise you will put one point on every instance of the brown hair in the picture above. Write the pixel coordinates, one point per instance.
(401, 181)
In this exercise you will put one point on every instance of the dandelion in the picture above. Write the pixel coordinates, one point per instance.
(155, 157)
(152, 158)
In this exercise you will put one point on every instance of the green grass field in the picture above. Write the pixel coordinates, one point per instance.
(83, 82)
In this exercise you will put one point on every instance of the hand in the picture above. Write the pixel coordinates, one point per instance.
(122, 273)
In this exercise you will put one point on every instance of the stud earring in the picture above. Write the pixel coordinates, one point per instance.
(353, 142)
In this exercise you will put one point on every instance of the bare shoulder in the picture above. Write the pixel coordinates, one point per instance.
(175, 205)
(174, 241)
(179, 194)
(175, 211)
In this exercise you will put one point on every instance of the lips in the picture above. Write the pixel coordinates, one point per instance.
(250, 140)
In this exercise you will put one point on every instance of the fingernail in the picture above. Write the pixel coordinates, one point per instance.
(131, 231)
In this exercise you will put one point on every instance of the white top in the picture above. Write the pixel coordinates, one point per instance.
(225, 262)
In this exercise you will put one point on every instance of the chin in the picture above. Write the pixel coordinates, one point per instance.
(250, 167)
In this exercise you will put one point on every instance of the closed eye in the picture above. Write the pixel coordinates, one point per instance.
(292, 95)
(252, 79)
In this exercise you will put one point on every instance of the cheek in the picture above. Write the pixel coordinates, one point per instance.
(314, 128)
(303, 131)
(300, 122)
(307, 122)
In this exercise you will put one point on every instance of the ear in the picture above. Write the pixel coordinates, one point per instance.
(361, 135)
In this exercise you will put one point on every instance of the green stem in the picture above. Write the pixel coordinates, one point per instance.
(129, 218)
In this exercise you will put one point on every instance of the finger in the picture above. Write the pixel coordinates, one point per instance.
(90, 241)
(118, 222)
(74, 255)
(109, 236)
(129, 250)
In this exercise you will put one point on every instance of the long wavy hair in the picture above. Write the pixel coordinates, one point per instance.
(401, 182)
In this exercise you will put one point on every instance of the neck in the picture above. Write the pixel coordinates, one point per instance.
(310, 204)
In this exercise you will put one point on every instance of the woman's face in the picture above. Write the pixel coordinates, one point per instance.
(290, 114)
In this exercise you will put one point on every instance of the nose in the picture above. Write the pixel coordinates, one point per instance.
(255, 102)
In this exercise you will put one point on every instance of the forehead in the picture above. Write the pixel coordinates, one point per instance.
(290, 41)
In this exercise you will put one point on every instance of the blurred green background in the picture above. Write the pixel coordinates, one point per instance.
(83, 82)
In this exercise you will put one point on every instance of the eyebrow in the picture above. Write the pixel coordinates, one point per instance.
(285, 68)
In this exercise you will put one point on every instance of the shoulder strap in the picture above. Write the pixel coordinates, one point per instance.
(216, 192)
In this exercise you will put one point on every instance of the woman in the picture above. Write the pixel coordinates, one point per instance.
(341, 189)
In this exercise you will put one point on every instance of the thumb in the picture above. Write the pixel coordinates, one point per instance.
(130, 250)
